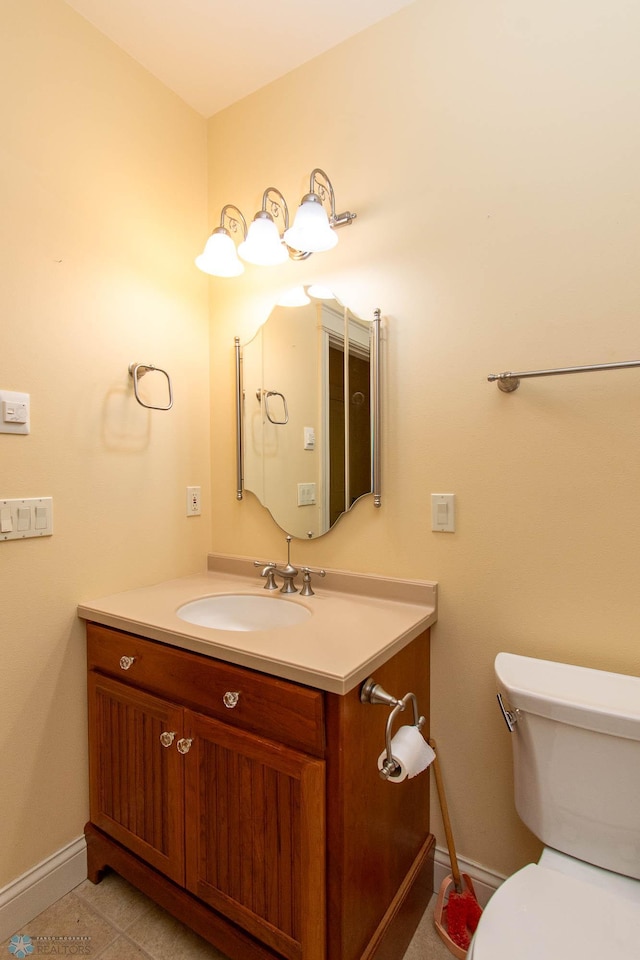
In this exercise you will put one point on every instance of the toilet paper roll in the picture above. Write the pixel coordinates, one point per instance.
(411, 753)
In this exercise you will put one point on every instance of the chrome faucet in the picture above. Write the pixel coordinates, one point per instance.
(288, 573)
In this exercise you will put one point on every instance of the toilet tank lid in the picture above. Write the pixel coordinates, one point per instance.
(581, 696)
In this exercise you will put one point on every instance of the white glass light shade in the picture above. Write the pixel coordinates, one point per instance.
(263, 245)
(320, 292)
(219, 257)
(295, 297)
(311, 231)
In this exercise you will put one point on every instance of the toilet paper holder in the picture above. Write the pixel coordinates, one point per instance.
(372, 692)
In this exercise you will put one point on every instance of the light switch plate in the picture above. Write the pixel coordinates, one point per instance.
(443, 512)
(20, 519)
(306, 494)
(14, 412)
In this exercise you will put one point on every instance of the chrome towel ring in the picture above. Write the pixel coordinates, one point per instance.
(137, 371)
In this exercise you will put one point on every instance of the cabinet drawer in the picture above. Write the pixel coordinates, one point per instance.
(267, 706)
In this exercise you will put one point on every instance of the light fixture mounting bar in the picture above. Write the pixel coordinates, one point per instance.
(320, 180)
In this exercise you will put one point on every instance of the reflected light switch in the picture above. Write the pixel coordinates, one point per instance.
(306, 494)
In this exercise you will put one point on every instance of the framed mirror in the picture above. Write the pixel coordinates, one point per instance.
(308, 414)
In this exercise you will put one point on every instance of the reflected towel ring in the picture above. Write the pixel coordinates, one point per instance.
(266, 395)
(137, 371)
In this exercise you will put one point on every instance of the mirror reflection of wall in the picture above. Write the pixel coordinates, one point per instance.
(306, 415)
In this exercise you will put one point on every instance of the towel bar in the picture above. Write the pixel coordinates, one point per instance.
(508, 382)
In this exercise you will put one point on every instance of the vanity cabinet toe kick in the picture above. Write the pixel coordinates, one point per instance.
(251, 807)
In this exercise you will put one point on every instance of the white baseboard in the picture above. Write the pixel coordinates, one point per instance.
(485, 882)
(38, 888)
(34, 891)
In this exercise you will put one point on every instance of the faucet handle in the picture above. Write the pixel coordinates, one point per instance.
(306, 590)
(268, 572)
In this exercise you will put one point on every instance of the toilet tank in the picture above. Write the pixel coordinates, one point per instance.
(576, 751)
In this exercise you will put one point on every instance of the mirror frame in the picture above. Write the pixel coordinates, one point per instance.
(375, 421)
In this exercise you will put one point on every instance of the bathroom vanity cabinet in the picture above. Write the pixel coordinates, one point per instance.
(251, 807)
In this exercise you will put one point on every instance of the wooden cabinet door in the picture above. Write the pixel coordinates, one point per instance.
(255, 835)
(136, 783)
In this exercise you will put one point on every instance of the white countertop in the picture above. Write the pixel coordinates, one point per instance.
(357, 622)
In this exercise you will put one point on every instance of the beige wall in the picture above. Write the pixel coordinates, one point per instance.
(103, 198)
(490, 150)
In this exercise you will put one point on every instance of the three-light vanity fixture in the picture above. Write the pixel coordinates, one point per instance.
(313, 230)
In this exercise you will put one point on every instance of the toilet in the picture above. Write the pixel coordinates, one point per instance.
(575, 734)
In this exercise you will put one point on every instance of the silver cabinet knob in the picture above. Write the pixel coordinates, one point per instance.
(184, 745)
(126, 662)
(231, 698)
(167, 737)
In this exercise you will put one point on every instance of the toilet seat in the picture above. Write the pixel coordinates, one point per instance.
(542, 914)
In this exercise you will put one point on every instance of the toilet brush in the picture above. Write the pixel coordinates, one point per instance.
(456, 920)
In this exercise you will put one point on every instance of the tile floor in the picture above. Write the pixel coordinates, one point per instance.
(114, 921)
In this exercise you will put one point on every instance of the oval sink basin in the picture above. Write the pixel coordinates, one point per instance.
(241, 611)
